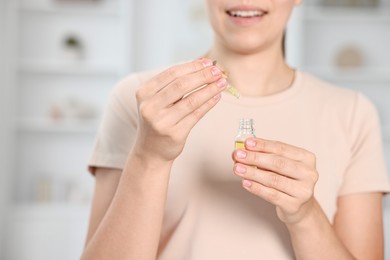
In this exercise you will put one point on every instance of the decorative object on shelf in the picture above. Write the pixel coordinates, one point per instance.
(72, 108)
(55, 112)
(350, 3)
(73, 47)
(349, 57)
(42, 190)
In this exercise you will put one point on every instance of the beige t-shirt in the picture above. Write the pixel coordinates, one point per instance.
(208, 214)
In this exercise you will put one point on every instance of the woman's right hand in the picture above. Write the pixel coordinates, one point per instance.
(170, 104)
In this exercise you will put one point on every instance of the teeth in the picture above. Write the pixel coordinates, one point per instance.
(245, 13)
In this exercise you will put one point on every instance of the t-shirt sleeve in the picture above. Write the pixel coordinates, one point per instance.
(366, 171)
(118, 127)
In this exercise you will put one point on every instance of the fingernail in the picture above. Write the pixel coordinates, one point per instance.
(206, 62)
(246, 183)
(250, 143)
(240, 169)
(215, 71)
(221, 83)
(241, 154)
(218, 96)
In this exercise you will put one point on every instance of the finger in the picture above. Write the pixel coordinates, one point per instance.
(187, 84)
(280, 148)
(195, 100)
(271, 162)
(189, 121)
(267, 178)
(271, 195)
(161, 80)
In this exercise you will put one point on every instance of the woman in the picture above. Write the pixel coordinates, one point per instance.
(163, 158)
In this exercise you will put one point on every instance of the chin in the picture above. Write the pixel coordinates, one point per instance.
(246, 46)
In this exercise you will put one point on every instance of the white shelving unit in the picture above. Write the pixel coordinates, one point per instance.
(326, 30)
(43, 125)
(68, 10)
(368, 75)
(346, 14)
(58, 93)
(46, 231)
(67, 68)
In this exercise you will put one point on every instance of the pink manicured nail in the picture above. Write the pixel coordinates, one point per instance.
(215, 71)
(221, 83)
(218, 96)
(240, 169)
(246, 183)
(206, 62)
(250, 143)
(241, 154)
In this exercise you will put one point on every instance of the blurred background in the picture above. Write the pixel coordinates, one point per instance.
(60, 58)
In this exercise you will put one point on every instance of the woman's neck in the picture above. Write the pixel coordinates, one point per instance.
(258, 74)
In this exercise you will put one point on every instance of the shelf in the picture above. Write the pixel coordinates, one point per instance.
(67, 68)
(49, 211)
(71, 126)
(352, 75)
(345, 14)
(90, 10)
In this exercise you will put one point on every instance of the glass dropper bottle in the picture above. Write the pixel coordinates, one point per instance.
(245, 130)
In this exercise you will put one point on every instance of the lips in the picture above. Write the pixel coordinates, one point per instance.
(245, 13)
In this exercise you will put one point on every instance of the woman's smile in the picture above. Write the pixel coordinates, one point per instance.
(245, 15)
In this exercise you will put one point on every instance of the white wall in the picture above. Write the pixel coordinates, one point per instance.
(152, 34)
(172, 31)
(294, 38)
(4, 126)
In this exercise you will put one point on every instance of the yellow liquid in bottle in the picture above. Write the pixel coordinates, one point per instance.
(239, 145)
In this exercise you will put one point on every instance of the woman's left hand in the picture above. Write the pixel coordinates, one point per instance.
(281, 174)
